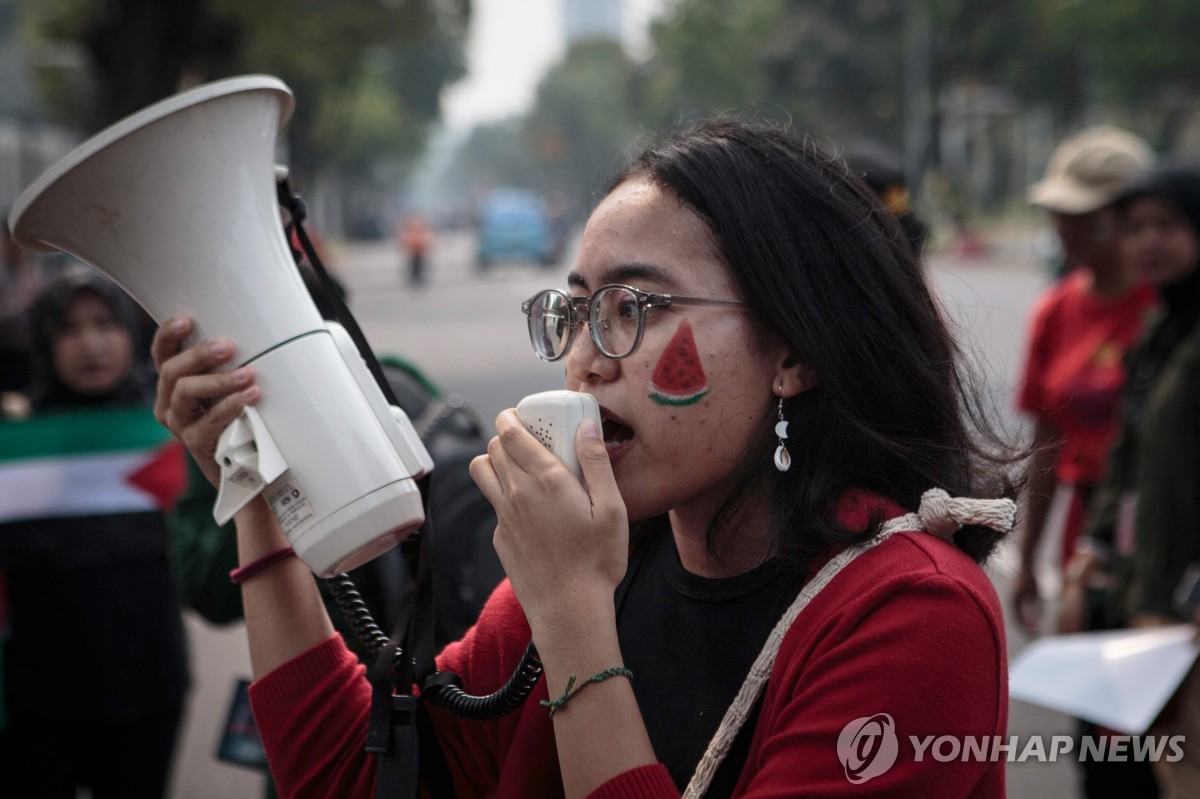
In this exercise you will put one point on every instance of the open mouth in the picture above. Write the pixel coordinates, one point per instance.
(617, 434)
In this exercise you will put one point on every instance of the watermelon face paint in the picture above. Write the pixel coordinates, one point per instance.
(679, 378)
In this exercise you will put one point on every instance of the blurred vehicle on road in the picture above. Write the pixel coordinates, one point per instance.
(515, 227)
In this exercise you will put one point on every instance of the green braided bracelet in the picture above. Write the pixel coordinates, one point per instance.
(617, 671)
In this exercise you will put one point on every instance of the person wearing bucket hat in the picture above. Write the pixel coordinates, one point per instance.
(1080, 329)
(1143, 538)
(1088, 170)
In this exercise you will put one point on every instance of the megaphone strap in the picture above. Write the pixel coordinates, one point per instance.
(296, 208)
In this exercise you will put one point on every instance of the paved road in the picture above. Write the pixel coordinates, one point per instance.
(466, 331)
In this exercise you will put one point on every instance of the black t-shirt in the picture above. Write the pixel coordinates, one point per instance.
(690, 641)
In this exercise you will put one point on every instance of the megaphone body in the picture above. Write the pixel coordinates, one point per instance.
(177, 204)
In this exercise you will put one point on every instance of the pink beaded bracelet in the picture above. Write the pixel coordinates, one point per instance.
(244, 573)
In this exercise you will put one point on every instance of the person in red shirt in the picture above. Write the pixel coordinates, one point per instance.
(1080, 330)
(768, 581)
(415, 238)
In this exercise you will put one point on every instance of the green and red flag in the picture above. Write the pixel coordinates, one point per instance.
(88, 463)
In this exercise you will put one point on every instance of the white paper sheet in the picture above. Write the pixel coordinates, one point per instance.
(1119, 679)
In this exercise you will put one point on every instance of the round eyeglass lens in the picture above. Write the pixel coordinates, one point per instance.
(550, 324)
(614, 321)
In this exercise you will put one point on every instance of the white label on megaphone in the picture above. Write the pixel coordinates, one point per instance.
(290, 505)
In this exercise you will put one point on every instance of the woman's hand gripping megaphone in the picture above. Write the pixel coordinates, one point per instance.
(341, 485)
(194, 401)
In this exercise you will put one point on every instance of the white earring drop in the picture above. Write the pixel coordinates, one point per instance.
(783, 460)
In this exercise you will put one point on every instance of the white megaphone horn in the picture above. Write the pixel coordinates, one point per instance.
(177, 204)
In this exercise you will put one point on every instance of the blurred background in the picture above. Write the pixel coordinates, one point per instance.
(429, 104)
(422, 127)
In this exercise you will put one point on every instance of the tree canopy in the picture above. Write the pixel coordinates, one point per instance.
(368, 74)
(965, 80)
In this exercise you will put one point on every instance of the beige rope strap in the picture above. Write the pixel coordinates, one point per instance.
(939, 514)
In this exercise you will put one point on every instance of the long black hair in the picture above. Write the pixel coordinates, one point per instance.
(830, 272)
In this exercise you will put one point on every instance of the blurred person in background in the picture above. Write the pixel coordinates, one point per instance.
(1144, 532)
(892, 188)
(95, 668)
(1080, 330)
(415, 238)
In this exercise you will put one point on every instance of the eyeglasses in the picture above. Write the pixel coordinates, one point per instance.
(615, 316)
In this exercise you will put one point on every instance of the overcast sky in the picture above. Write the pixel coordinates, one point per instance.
(511, 44)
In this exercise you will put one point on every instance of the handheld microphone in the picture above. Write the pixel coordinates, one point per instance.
(554, 416)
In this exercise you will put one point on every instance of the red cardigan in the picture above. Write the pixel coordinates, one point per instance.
(911, 628)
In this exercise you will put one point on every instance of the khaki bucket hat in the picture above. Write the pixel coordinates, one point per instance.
(1088, 170)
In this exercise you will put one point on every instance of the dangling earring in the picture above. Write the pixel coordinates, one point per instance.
(783, 460)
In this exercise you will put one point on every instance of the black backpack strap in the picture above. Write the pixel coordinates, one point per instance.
(399, 774)
(393, 733)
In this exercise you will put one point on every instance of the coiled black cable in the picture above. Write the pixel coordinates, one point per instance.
(352, 606)
(442, 688)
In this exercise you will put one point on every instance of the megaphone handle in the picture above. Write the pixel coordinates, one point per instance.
(249, 461)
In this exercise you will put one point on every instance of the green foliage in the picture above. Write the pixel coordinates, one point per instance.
(1146, 59)
(583, 118)
(828, 66)
(1030, 48)
(367, 73)
(364, 121)
(710, 56)
(843, 71)
(52, 34)
(1144, 47)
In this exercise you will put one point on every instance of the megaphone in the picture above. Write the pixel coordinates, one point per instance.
(177, 204)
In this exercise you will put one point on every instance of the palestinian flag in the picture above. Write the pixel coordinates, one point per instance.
(88, 463)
